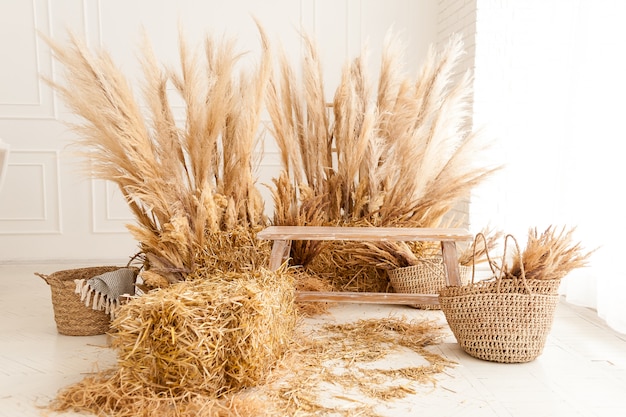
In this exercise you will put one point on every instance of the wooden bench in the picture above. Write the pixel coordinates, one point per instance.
(282, 236)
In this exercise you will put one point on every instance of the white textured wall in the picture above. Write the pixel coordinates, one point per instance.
(525, 57)
(48, 209)
(459, 17)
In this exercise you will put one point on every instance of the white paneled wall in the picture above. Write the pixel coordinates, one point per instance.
(49, 209)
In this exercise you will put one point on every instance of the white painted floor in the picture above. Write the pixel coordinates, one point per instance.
(582, 371)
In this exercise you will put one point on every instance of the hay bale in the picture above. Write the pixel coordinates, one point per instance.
(207, 336)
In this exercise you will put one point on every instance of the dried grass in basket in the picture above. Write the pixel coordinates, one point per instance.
(510, 283)
(427, 277)
(71, 315)
(494, 323)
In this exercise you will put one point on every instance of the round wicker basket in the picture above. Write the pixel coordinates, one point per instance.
(504, 319)
(71, 315)
(427, 277)
(507, 324)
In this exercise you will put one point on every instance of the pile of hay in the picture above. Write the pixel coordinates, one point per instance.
(192, 343)
(230, 347)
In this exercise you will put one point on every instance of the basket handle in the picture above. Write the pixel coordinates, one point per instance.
(137, 255)
(45, 277)
(486, 254)
(521, 262)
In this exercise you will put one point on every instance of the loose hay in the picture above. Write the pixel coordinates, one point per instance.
(327, 371)
(192, 344)
(338, 358)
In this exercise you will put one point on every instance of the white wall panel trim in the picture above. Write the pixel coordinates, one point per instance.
(34, 176)
(26, 60)
(110, 213)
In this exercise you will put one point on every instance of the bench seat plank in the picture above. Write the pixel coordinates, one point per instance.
(366, 297)
(364, 233)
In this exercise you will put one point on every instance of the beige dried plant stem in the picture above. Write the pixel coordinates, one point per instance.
(182, 183)
(550, 255)
(396, 154)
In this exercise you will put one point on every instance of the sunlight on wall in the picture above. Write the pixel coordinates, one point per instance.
(550, 89)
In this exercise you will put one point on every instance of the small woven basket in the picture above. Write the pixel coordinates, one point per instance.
(71, 315)
(501, 320)
(427, 277)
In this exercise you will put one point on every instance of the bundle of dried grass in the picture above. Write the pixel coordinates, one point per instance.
(400, 155)
(189, 346)
(549, 255)
(182, 183)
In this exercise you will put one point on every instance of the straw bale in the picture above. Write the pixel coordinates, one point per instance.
(208, 335)
(189, 346)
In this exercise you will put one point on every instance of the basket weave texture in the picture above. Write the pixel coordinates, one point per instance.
(507, 327)
(71, 315)
(503, 320)
(427, 277)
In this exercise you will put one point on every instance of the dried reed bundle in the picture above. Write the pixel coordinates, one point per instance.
(549, 255)
(182, 183)
(192, 344)
(396, 156)
(301, 128)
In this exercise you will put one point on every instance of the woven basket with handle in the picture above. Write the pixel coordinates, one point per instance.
(427, 277)
(71, 315)
(500, 320)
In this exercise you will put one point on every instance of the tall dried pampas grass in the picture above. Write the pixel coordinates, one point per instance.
(182, 183)
(398, 155)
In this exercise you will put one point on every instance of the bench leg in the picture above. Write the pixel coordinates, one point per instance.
(280, 251)
(451, 262)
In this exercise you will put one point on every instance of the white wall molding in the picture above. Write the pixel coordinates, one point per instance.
(23, 93)
(110, 212)
(34, 176)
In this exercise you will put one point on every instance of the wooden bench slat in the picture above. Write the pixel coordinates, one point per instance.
(367, 297)
(364, 233)
(282, 236)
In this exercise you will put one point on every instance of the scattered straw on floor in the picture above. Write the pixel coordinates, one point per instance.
(230, 347)
(338, 359)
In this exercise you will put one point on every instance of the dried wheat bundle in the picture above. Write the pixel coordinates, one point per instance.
(399, 155)
(549, 255)
(182, 183)
(197, 340)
